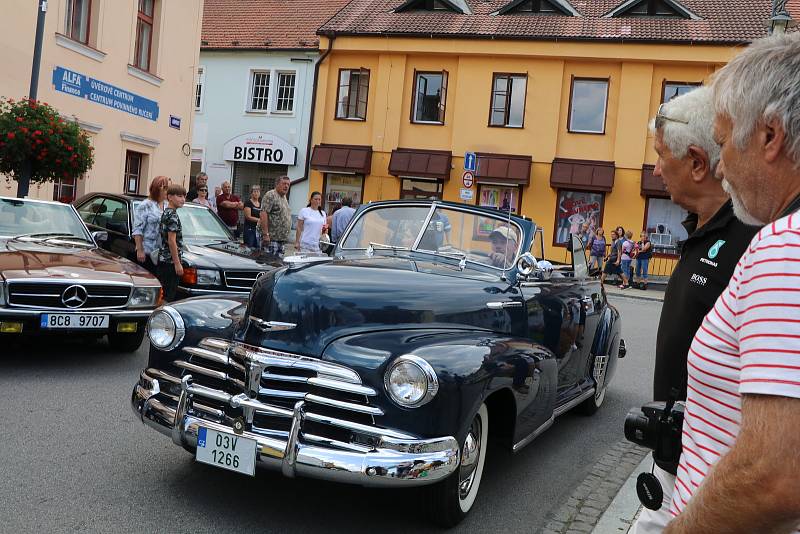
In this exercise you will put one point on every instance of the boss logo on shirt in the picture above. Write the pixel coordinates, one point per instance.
(699, 280)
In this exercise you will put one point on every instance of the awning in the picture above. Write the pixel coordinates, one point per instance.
(504, 169)
(582, 174)
(652, 186)
(423, 163)
(342, 158)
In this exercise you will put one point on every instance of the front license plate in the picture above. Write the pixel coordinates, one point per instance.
(74, 320)
(227, 451)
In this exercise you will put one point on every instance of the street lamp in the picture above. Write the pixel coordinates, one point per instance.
(781, 20)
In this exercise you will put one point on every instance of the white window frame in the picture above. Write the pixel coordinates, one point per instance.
(250, 82)
(272, 95)
(278, 74)
(200, 82)
(588, 80)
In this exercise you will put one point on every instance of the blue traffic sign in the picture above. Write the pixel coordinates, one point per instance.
(470, 162)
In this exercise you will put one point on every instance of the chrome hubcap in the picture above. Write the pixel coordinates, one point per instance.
(469, 458)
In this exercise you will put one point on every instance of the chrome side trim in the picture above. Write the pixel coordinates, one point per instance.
(342, 386)
(267, 357)
(310, 397)
(211, 356)
(504, 304)
(533, 435)
(271, 326)
(561, 410)
(357, 427)
(200, 370)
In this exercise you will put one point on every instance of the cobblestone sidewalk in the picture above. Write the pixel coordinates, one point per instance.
(590, 499)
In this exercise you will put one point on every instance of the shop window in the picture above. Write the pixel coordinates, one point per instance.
(577, 212)
(663, 220)
(199, 85)
(339, 186)
(499, 197)
(64, 190)
(259, 91)
(673, 89)
(417, 189)
(145, 17)
(588, 102)
(352, 97)
(285, 97)
(78, 17)
(430, 97)
(133, 171)
(508, 100)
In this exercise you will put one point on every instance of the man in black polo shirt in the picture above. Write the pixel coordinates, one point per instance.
(687, 159)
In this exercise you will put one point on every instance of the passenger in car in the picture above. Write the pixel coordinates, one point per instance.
(504, 247)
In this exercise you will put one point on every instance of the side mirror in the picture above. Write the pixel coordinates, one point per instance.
(100, 236)
(526, 264)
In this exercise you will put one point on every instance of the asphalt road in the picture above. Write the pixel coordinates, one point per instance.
(74, 459)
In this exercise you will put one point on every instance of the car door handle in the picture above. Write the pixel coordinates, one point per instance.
(501, 305)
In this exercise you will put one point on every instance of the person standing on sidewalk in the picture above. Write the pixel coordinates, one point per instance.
(170, 268)
(341, 218)
(252, 216)
(741, 448)
(687, 160)
(276, 218)
(228, 208)
(311, 224)
(644, 252)
(597, 249)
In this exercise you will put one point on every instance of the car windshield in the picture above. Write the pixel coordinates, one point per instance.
(199, 222)
(473, 236)
(32, 219)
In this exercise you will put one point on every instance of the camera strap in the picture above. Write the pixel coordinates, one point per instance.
(649, 491)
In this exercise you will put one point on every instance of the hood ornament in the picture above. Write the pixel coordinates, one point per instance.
(271, 326)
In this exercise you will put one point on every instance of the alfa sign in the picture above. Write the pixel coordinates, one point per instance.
(260, 147)
(82, 86)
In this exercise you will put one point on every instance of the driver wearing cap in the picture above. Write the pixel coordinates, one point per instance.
(504, 247)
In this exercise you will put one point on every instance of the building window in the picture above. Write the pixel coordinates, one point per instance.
(77, 23)
(64, 190)
(421, 189)
(198, 88)
(133, 171)
(651, 8)
(662, 221)
(259, 91)
(508, 100)
(430, 97)
(339, 186)
(352, 97)
(577, 212)
(673, 89)
(499, 197)
(588, 102)
(144, 34)
(285, 99)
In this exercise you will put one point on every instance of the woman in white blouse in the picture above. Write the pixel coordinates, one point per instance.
(146, 220)
(311, 224)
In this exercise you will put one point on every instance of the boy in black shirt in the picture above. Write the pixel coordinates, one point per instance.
(170, 268)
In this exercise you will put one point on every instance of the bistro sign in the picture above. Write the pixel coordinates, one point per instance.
(259, 147)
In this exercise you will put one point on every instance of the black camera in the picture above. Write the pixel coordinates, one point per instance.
(658, 426)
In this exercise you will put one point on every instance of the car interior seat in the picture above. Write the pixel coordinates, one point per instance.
(119, 221)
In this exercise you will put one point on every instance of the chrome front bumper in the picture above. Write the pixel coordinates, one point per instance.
(392, 462)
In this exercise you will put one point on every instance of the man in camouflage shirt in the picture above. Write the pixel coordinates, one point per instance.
(276, 218)
(170, 268)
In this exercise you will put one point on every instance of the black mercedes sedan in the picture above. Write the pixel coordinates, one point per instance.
(217, 263)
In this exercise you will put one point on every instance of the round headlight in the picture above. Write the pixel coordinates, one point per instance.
(410, 381)
(165, 328)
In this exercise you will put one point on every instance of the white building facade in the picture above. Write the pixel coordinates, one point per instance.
(252, 118)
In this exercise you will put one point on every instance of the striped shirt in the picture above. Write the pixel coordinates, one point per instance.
(748, 343)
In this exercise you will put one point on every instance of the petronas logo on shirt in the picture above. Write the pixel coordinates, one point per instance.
(714, 250)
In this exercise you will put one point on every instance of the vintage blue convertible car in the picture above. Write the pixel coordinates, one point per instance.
(388, 363)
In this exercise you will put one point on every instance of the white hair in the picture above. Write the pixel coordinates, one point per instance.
(760, 84)
(695, 109)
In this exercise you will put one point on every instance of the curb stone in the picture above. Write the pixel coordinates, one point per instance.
(584, 508)
(624, 509)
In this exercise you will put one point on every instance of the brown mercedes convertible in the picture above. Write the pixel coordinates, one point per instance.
(56, 280)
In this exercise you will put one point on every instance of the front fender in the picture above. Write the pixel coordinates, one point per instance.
(219, 317)
(607, 340)
(470, 366)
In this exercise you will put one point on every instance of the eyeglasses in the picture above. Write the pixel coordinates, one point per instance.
(202, 190)
(660, 115)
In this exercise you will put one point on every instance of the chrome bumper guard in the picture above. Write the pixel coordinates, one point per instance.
(396, 460)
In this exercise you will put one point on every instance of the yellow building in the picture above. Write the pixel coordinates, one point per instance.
(124, 69)
(553, 98)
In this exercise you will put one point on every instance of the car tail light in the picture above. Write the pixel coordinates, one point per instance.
(189, 276)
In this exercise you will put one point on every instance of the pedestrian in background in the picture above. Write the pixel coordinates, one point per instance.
(276, 218)
(201, 181)
(643, 251)
(311, 224)
(741, 448)
(597, 249)
(626, 250)
(252, 216)
(341, 218)
(170, 268)
(687, 160)
(613, 259)
(146, 219)
(202, 198)
(228, 208)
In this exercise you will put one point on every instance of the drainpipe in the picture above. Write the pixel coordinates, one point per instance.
(331, 37)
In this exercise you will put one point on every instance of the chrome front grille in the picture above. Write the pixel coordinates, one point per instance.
(241, 279)
(263, 387)
(25, 294)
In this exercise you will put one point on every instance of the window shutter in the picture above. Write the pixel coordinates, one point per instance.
(443, 97)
